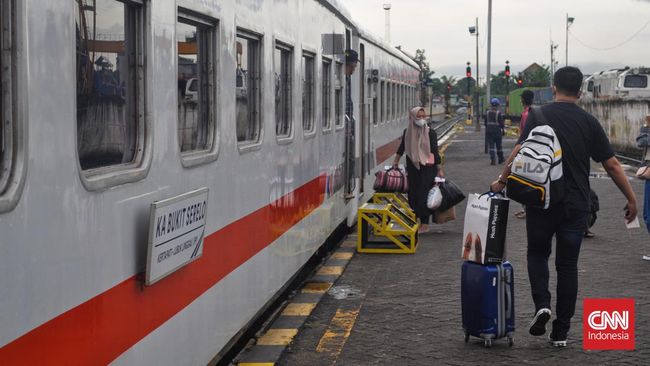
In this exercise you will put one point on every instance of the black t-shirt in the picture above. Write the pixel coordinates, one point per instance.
(581, 138)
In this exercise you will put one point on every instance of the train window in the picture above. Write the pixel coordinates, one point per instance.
(635, 81)
(282, 59)
(247, 88)
(389, 107)
(590, 86)
(394, 101)
(338, 94)
(375, 103)
(109, 84)
(382, 101)
(308, 92)
(327, 94)
(196, 116)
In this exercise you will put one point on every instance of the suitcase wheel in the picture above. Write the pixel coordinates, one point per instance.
(487, 343)
(511, 341)
(466, 337)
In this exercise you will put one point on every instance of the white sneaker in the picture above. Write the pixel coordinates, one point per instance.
(537, 326)
(646, 257)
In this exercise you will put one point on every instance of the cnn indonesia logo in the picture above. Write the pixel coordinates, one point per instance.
(608, 324)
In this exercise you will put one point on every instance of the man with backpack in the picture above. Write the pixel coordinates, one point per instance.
(565, 213)
(494, 125)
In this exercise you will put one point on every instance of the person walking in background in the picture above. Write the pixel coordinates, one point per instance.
(643, 141)
(527, 97)
(581, 137)
(494, 127)
(422, 163)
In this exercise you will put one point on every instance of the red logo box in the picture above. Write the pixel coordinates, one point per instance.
(608, 324)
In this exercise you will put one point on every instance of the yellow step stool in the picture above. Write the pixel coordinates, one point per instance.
(395, 199)
(394, 230)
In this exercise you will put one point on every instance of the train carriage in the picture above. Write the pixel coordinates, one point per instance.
(112, 105)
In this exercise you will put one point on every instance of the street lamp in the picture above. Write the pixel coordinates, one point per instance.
(569, 21)
(387, 33)
(473, 30)
(468, 74)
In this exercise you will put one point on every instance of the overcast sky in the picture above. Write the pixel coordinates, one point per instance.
(521, 31)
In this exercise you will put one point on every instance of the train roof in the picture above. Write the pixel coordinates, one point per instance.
(336, 7)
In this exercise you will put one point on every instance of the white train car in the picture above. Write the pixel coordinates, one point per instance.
(111, 105)
(626, 83)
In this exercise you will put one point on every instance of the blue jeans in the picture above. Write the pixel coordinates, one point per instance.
(568, 228)
(646, 205)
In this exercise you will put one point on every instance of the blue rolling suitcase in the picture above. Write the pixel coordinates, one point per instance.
(487, 298)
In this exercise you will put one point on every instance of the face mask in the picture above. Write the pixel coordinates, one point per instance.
(420, 122)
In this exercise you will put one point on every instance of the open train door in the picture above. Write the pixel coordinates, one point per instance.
(364, 131)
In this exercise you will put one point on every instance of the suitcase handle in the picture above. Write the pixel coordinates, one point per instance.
(506, 279)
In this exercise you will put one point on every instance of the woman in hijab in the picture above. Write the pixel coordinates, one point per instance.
(422, 158)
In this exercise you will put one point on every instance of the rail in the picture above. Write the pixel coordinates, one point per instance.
(445, 127)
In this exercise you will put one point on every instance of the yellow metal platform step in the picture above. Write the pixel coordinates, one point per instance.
(386, 228)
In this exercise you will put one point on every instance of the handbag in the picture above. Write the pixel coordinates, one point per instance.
(391, 180)
(451, 195)
(643, 172)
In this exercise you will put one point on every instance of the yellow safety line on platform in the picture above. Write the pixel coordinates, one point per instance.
(330, 270)
(342, 255)
(277, 337)
(256, 364)
(316, 287)
(337, 333)
(299, 309)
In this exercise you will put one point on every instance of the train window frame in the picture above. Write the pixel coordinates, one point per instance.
(375, 102)
(382, 101)
(339, 119)
(209, 60)
(282, 46)
(257, 92)
(643, 85)
(137, 26)
(326, 95)
(394, 102)
(389, 104)
(13, 104)
(304, 69)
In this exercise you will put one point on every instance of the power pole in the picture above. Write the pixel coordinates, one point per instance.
(489, 50)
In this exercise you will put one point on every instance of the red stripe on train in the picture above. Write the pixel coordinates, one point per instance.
(104, 327)
(385, 151)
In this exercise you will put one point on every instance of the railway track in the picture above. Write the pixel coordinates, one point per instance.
(444, 127)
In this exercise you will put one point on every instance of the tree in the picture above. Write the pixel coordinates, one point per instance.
(425, 74)
(498, 84)
(539, 77)
(421, 60)
(461, 86)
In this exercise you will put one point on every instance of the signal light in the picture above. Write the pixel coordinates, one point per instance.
(520, 82)
(448, 87)
(468, 72)
(508, 71)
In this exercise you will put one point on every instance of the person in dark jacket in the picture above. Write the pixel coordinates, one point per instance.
(422, 163)
(494, 127)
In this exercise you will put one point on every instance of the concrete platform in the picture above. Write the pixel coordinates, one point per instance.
(407, 307)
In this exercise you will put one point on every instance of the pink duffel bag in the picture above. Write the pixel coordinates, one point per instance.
(391, 180)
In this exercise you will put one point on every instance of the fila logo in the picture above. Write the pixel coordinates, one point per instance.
(528, 168)
(601, 320)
